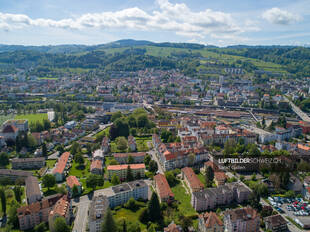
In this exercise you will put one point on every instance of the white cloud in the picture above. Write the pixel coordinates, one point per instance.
(278, 16)
(178, 18)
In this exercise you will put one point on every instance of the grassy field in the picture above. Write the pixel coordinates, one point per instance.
(32, 118)
(50, 163)
(10, 197)
(86, 190)
(184, 200)
(80, 171)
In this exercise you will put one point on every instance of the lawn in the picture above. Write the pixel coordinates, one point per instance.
(142, 143)
(32, 118)
(50, 163)
(80, 171)
(184, 200)
(10, 197)
(202, 178)
(86, 190)
(129, 215)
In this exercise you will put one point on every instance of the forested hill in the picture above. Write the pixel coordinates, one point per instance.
(131, 55)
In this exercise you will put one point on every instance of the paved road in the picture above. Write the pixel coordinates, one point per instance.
(154, 157)
(298, 111)
(81, 218)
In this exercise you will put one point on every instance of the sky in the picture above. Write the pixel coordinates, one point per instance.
(216, 22)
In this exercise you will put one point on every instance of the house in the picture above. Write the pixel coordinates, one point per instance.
(33, 192)
(210, 198)
(96, 167)
(9, 132)
(122, 158)
(191, 179)
(121, 170)
(276, 223)
(28, 163)
(33, 214)
(105, 145)
(62, 165)
(210, 222)
(72, 181)
(20, 124)
(172, 227)
(220, 178)
(70, 125)
(120, 194)
(38, 137)
(242, 220)
(132, 143)
(98, 208)
(62, 208)
(98, 155)
(163, 189)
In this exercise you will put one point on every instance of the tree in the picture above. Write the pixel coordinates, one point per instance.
(290, 194)
(131, 204)
(4, 159)
(75, 148)
(3, 200)
(186, 222)
(60, 225)
(75, 191)
(121, 143)
(124, 226)
(92, 181)
(12, 214)
(147, 159)
(171, 178)
(116, 115)
(254, 201)
(142, 121)
(40, 228)
(153, 166)
(18, 193)
(78, 158)
(130, 159)
(152, 228)
(229, 147)
(209, 176)
(31, 141)
(49, 181)
(134, 227)
(191, 159)
(130, 176)
(132, 121)
(115, 180)
(153, 208)
(108, 222)
(144, 217)
(44, 149)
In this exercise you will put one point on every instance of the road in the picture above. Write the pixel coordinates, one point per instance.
(81, 217)
(298, 111)
(154, 157)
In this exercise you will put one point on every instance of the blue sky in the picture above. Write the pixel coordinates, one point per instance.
(221, 22)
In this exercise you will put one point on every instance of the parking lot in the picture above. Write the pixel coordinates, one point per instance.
(295, 208)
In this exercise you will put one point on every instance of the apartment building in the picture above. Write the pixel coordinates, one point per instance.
(72, 181)
(210, 198)
(98, 207)
(120, 194)
(33, 214)
(163, 189)
(33, 192)
(62, 166)
(105, 145)
(242, 220)
(28, 163)
(122, 158)
(96, 167)
(62, 208)
(189, 176)
(121, 170)
(210, 222)
(276, 223)
(14, 174)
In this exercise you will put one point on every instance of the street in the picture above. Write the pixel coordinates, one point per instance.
(154, 157)
(81, 218)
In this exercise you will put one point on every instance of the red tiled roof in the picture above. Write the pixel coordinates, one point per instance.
(124, 166)
(62, 162)
(96, 164)
(193, 180)
(163, 186)
(211, 219)
(72, 180)
(9, 129)
(220, 176)
(136, 154)
(212, 165)
(61, 207)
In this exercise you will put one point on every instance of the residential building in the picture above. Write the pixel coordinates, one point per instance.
(33, 192)
(121, 170)
(70, 125)
(61, 167)
(97, 209)
(276, 223)
(28, 163)
(62, 208)
(132, 143)
(122, 158)
(120, 194)
(72, 181)
(191, 179)
(220, 178)
(242, 220)
(20, 124)
(163, 189)
(9, 132)
(210, 198)
(33, 214)
(210, 222)
(96, 167)
(98, 155)
(172, 227)
(14, 174)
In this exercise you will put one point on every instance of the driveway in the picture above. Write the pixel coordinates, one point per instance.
(81, 217)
